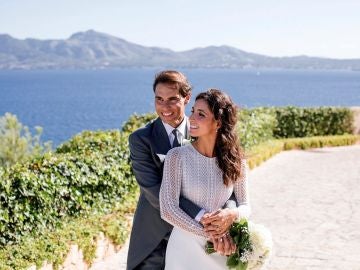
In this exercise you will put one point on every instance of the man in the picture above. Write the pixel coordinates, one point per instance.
(148, 148)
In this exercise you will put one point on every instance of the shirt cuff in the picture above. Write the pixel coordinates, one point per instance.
(200, 215)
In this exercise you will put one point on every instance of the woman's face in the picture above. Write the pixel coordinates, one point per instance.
(202, 121)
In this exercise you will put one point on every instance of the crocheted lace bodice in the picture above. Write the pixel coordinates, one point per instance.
(199, 179)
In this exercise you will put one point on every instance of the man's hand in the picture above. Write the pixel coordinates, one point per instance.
(217, 223)
(224, 245)
(204, 218)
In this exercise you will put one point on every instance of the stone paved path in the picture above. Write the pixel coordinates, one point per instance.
(310, 200)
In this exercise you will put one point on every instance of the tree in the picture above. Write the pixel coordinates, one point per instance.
(17, 144)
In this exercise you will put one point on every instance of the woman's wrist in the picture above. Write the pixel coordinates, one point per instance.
(235, 214)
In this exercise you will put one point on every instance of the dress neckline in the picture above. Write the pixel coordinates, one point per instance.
(201, 155)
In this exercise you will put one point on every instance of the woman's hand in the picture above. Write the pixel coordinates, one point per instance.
(217, 223)
(224, 245)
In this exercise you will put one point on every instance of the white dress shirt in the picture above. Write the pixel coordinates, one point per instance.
(181, 131)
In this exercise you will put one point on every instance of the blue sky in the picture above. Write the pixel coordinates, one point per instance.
(327, 28)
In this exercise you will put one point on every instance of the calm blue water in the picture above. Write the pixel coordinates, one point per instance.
(66, 102)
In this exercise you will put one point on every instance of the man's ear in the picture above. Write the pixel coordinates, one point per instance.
(187, 99)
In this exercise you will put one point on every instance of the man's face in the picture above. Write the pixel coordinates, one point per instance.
(169, 104)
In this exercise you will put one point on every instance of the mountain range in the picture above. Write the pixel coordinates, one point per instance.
(95, 50)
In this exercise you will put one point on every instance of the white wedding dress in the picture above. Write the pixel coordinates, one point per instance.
(199, 179)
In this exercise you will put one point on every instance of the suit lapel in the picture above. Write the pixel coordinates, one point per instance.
(160, 138)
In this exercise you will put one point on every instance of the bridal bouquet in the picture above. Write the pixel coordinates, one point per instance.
(253, 246)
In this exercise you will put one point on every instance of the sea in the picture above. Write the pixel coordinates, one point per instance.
(66, 102)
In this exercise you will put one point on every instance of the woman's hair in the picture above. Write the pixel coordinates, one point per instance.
(175, 78)
(229, 155)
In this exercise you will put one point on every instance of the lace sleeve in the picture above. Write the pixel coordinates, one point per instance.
(242, 193)
(170, 193)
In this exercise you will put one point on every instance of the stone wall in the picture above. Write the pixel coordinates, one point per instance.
(108, 256)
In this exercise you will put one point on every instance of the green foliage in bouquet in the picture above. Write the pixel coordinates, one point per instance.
(239, 232)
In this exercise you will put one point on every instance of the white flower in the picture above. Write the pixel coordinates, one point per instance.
(254, 245)
(245, 256)
(261, 242)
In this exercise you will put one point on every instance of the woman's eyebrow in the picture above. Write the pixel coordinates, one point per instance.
(201, 110)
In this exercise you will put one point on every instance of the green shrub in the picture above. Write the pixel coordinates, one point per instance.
(255, 126)
(89, 173)
(321, 141)
(136, 121)
(17, 144)
(53, 244)
(295, 122)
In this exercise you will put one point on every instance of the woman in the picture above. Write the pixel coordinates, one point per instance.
(206, 171)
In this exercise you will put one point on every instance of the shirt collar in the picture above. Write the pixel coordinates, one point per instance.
(181, 128)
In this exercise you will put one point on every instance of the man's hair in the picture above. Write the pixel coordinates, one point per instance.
(174, 78)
